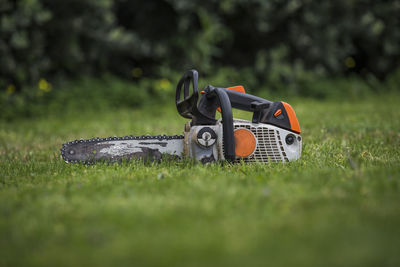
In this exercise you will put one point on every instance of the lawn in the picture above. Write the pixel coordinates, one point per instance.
(339, 205)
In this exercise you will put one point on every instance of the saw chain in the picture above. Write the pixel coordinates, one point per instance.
(68, 150)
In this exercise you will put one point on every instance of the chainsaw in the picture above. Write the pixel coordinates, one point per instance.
(273, 135)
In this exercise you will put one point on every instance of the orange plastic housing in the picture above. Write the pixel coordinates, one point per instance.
(294, 123)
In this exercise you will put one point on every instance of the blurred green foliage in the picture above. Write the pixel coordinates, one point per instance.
(299, 47)
(110, 92)
(79, 95)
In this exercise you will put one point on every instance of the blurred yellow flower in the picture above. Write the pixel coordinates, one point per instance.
(165, 84)
(10, 89)
(137, 72)
(350, 62)
(44, 85)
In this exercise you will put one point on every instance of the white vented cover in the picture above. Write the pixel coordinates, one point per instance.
(271, 145)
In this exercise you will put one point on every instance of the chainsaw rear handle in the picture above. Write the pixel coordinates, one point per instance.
(238, 100)
(276, 113)
(246, 102)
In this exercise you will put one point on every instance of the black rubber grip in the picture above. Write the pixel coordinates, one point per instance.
(227, 123)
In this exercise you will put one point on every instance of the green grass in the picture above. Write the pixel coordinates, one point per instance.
(337, 206)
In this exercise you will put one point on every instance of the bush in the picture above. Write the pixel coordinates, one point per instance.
(44, 38)
(73, 96)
